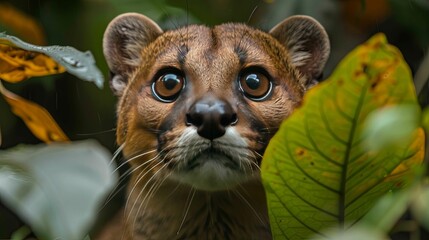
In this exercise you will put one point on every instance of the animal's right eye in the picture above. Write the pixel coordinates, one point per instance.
(255, 84)
(168, 86)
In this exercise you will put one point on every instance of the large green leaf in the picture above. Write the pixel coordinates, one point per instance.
(56, 188)
(316, 170)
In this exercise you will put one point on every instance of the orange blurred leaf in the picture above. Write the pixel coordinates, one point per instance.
(17, 64)
(37, 118)
(21, 24)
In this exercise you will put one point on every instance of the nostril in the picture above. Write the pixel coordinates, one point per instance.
(194, 119)
(227, 119)
(188, 120)
(234, 119)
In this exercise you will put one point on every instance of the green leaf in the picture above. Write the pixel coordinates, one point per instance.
(425, 119)
(21, 233)
(388, 210)
(80, 64)
(316, 170)
(420, 206)
(391, 126)
(358, 233)
(56, 188)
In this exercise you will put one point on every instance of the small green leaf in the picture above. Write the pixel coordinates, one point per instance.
(359, 233)
(420, 206)
(56, 188)
(388, 210)
(80, 64)
(425, 119)
(316, 170)
(391, 126)
(21, 233)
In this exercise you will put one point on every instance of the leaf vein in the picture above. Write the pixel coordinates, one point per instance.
(343, 181)
(316, 148)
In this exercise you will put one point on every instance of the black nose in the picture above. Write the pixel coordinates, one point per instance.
(211, 116)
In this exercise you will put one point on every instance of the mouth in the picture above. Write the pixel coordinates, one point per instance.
(214, 165)
(213, 156)
(212, 169)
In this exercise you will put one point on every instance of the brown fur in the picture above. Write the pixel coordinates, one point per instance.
(159, 207)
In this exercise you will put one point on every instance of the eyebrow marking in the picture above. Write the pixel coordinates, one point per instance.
(181, 55)
(241, 54)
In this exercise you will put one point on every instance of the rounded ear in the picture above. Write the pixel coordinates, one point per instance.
(123, 41)
(307, 44)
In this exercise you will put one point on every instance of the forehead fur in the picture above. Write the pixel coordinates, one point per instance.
(217, 52)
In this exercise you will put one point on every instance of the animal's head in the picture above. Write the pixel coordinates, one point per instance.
(198, 105)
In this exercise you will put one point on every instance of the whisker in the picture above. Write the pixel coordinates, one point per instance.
(133, 158)
(111, 196)
(122, 178)
(189, 201)
(249, 205)
(170, 19)
(251, 14)
(95, 133)
(255, 165)
(116, 153)
(151, 192)
(257, 154)
(139, 179)
(131, 170)
(140, 194)
(153, 189)
(177, 27)
(187, 19)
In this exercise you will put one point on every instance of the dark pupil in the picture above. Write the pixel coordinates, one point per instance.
(170, 81)
(253, 81)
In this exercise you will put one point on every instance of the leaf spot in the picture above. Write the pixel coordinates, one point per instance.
(300, 152)
(365, 68)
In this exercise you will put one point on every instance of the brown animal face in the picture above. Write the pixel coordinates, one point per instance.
(198, 105)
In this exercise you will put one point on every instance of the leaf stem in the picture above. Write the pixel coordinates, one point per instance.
(342, 197)
(21, 233)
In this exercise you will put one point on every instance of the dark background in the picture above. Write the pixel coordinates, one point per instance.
(83, 111)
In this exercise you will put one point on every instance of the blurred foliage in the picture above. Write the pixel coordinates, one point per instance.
(37, 119)
(416, 21)
(56, 188)
(21, 24)
(20, 60)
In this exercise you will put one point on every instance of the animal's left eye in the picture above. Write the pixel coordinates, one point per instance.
(168, 86)
(255, 85)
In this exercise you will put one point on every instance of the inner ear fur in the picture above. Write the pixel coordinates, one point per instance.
(307, 44)
(123, 41)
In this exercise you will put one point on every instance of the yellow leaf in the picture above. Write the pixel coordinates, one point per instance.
(37, 119)
(17, 64)
(21, 59)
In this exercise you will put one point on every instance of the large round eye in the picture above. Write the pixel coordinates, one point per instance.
(168, 86)
(255, 85)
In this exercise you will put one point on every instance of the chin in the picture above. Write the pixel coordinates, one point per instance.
(212, 173)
